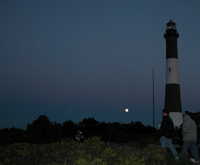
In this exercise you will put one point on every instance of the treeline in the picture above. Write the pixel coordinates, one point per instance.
(43, 131)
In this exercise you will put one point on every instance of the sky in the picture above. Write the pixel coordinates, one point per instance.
(76, 59)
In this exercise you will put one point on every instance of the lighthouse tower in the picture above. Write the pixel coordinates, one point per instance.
(172, 90)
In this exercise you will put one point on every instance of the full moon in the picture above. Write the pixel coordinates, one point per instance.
(126, 110)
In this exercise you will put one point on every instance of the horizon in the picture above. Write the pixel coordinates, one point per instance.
(76, 123)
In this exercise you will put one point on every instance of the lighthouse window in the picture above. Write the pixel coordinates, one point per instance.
(171, 27)
(169, 70)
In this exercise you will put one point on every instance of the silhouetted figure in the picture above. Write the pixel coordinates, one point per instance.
(189, 132)
(167, 133)
(79, 136)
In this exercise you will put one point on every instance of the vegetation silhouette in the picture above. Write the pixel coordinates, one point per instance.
(42, 130)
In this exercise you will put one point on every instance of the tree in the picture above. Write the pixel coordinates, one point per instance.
(69, 129)
(40, 131)
(89, 127)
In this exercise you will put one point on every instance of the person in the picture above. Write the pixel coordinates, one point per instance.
(167, 133)
(189, 132)
(79, 136)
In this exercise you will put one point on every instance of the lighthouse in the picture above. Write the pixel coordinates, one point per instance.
(172, 89)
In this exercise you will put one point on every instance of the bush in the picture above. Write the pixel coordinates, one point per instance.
(92, 151)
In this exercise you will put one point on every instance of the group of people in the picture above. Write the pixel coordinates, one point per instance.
(189, 133)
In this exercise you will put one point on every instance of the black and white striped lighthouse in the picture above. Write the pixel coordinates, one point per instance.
(172, 90)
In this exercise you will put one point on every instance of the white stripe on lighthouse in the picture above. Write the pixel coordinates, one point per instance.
(172, 71)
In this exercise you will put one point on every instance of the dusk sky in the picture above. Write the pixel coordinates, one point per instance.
(75, 59)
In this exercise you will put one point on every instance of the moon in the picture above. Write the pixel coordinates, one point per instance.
(126, 110)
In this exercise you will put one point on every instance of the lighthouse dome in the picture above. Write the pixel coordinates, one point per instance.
(171, 30)
(171, 25)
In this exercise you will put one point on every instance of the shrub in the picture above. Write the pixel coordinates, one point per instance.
(92, 151)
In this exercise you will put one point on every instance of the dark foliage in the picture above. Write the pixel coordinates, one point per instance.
(43, 131)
